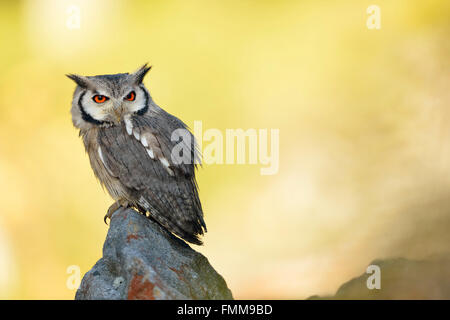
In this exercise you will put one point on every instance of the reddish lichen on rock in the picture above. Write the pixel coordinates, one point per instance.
(140, 289)
(132, 236)
(141, 261)
(180, 273)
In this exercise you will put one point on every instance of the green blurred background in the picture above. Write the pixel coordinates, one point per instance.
(363, 118)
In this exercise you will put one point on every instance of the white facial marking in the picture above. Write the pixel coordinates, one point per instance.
(139, 101)
(95, 110)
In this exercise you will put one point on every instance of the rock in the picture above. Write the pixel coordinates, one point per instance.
(401, 279)
(141, 260)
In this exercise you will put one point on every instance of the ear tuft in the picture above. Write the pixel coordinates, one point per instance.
(140, 73)
(80, 80)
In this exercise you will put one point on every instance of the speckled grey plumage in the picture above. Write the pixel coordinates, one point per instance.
(136, 172)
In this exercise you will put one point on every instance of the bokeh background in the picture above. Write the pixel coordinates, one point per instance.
(363, 118)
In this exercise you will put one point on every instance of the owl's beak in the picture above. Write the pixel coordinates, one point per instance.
(118, 114)
(118, 111)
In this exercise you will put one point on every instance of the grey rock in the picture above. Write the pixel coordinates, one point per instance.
(141, 260)
(401, 278)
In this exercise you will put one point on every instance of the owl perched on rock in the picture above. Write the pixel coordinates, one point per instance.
(129, 140)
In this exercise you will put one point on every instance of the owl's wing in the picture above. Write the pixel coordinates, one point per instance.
(165, 189)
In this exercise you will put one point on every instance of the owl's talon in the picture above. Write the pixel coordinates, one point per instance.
(113, 208)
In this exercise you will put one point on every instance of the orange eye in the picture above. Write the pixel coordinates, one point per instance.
(131, 96)
(99, 98)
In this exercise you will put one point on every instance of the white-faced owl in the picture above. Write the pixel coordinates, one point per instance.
(129, 140)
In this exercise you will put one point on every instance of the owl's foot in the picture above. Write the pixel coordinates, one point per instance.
(114, 207)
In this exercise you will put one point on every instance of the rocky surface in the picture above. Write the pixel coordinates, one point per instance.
(141, 260)
(401, 279)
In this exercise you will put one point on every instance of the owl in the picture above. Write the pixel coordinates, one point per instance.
(129, 140)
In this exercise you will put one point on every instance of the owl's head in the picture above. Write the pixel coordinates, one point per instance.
(105, 99)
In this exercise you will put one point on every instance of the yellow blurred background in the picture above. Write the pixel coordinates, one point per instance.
(364, 128)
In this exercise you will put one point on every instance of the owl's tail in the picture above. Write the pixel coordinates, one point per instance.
(185, 222)
(188, 235)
